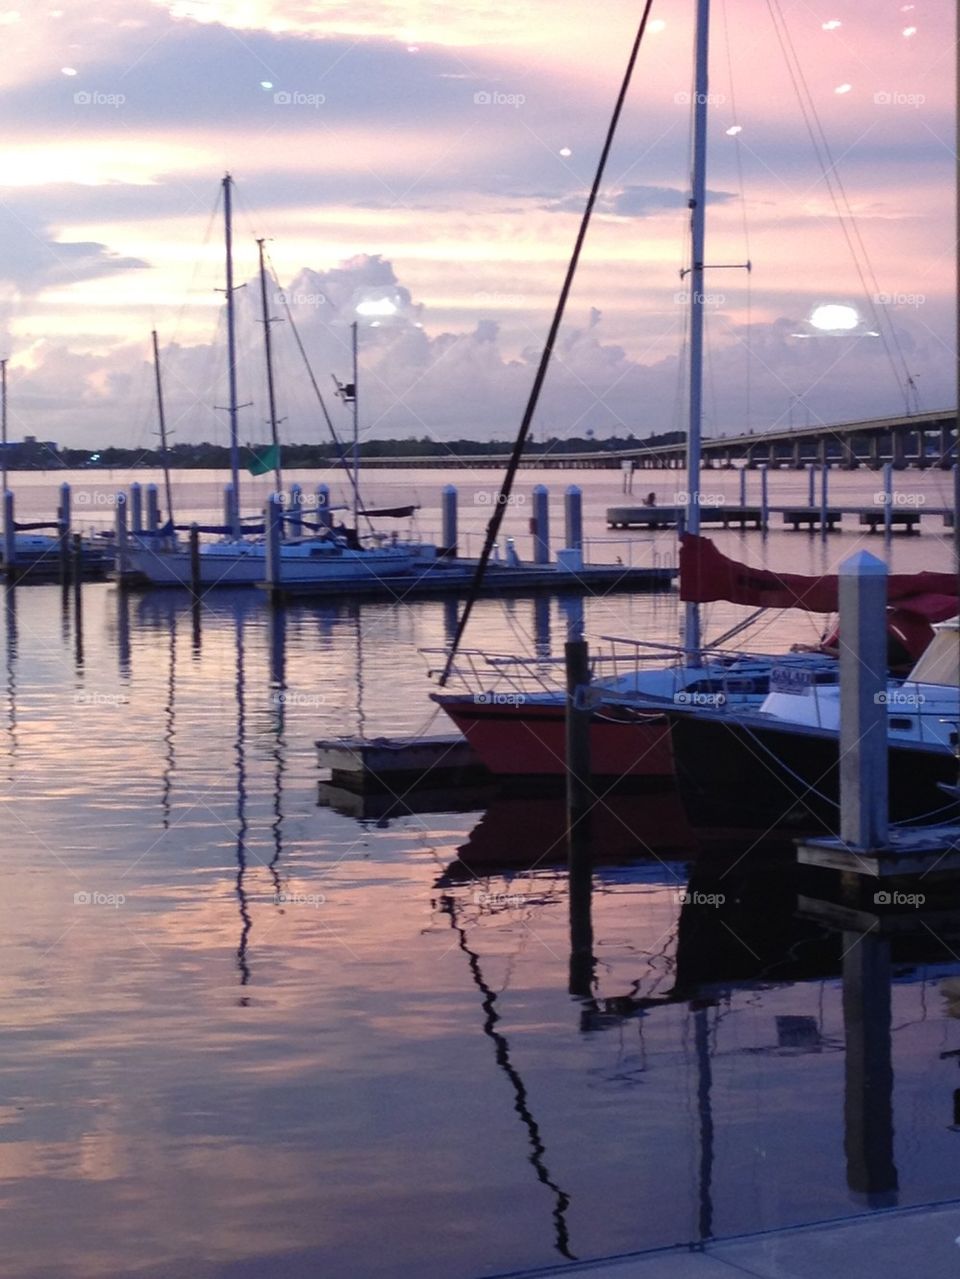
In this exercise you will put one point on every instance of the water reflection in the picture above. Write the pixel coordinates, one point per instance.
(278, 686)
(10, 666)
(521, 1101)
(246, 921)
(169, 726)
(680, 1050)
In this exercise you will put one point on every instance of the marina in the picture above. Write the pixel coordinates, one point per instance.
(418, 863)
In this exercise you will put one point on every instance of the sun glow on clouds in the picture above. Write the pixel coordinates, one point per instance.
(410, 22)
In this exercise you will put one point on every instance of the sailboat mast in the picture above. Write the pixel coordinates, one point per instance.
(3, 423)
(268, 352)
(698, 195)
(356, 430)
(164, 454)
(231, 357)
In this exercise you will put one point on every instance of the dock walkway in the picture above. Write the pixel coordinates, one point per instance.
(727, 515)
(887, 1244)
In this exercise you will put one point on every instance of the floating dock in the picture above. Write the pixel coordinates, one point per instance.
(455, 577)
(394, 765)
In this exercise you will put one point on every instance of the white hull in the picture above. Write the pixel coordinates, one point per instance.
(244, 564)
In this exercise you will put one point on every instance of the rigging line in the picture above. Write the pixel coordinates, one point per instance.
(342, 458)
(834, 184)
(496, 518)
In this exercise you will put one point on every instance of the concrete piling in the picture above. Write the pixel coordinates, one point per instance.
(273, 536)
(136, 508)
(864, 807)
(541, 525)
(153, 509)
(573, 511)
(294, 523)
(448, 512)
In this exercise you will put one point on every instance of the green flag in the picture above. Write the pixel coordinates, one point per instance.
(261, 463)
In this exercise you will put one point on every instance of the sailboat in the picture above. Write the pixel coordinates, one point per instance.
(786, 754)
(238, 557)
(523, 735)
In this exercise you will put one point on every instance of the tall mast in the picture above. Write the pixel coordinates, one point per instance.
(698, 194)
(3, 423)
(232, 357)
(268, 350)
(164, 454)
(356, 432)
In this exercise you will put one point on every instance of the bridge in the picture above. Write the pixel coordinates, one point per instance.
(917, 439)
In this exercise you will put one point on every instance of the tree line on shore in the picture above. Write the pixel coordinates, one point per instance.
(295, 456)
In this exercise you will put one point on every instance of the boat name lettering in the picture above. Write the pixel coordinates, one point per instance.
(790, 679)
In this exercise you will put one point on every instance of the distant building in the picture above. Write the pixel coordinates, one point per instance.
(31, 454)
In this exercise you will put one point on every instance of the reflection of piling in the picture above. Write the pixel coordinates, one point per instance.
(273, 533)
(868, 1098)
(9, 536)
(77, 571)
(278, 649)
(195, 562)
(123, 632)
(120, 539)
(581, 927)
(541, 626)
(76, 563)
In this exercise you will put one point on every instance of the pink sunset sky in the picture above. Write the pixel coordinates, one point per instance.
(430, 160)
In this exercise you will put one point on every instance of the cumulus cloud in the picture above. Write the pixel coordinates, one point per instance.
(417, 381)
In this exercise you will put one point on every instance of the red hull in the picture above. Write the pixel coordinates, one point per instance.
(528, 740)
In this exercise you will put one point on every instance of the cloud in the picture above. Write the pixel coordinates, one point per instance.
(445, 384)
(33, 257)
(635, 201)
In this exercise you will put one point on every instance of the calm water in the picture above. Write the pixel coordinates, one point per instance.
(249, 1034)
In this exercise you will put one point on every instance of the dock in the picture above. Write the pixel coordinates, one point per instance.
(455, 577)
(876, 1245)
(393, 765)
(874, 518)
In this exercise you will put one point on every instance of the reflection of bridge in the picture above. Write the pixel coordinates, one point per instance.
(918, 439)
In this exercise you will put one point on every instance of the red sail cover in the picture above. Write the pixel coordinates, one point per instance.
(707, 575)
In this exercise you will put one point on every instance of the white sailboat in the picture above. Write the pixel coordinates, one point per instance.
(327, 553)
